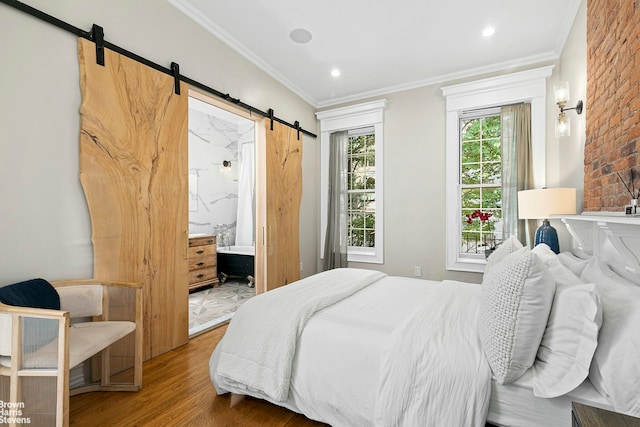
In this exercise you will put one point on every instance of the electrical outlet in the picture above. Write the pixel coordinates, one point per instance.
(301, 268)
(417, 271)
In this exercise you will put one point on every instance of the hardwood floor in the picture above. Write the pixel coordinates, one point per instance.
(177, 391)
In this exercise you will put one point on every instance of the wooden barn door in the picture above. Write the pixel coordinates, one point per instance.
(280, 162)
(133, 169)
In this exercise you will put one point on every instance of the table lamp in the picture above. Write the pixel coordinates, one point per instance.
(541, 204)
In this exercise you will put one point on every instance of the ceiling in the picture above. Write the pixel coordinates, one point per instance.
(384, 46)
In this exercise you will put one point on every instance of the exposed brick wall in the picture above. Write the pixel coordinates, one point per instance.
(613, 103)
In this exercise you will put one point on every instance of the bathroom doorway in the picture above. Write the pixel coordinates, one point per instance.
(221, 212)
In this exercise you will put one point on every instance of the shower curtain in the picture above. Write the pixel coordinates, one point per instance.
(246, 191)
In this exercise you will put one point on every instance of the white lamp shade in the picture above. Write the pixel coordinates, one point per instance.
(563, 126)
(561, 92)
(542, 203)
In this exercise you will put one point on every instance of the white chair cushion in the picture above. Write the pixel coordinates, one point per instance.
(85, 340)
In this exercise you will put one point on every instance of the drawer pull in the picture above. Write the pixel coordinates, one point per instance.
(210, 241)
(200, 276)
(200, 252)
(200, 263)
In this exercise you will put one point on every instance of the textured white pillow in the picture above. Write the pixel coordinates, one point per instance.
(570, 338)
(615, 370)
(503, 250)
(516, 300)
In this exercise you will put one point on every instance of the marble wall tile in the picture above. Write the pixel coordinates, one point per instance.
(213, 188)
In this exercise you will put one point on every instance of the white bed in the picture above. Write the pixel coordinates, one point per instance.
(515, 405)
(339, 353)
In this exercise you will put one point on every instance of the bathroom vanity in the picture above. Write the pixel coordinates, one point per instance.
(202, 261)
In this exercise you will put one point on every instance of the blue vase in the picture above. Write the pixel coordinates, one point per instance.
(548, 235)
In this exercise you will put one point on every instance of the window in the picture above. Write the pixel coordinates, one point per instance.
(480, 181)
(364, 122)
(471, 147)
(361, 187)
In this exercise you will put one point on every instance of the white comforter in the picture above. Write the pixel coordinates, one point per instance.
(395, 352)
(257, 350)
(433, 369)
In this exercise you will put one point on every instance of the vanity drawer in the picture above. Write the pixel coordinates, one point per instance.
(201, 252)
(202, 274)
(202, 261)
(202, 241)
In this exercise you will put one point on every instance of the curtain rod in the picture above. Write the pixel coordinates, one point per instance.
(95, 35)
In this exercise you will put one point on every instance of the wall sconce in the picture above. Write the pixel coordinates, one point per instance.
(561, 95)
(226, 163)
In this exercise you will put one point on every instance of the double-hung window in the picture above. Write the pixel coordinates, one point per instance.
(480, 181)
(361, 188)
(364, 124)
(474, 173)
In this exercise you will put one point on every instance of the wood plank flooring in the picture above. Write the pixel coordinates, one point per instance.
(177, 391)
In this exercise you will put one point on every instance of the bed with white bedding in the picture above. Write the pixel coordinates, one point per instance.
(397, 351)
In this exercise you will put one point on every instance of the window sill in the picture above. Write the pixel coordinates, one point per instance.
(470, 265)
(366, 255)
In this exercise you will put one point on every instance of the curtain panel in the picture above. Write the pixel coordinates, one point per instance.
(517, 169)
(335, 247)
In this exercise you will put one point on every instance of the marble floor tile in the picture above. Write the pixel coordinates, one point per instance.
(212, 306)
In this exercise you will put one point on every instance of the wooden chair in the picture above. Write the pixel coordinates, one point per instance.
(98, 331)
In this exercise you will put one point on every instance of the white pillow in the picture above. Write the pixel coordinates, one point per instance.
(615, 370)
(503, 250)
(572, 262)
(570, 338)
(546, 255)
(516, 300)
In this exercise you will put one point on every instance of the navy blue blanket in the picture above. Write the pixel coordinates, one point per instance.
(36, 293)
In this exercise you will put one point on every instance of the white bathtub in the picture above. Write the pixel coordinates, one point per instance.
(237, 250)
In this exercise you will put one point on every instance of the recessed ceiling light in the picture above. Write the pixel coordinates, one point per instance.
(335, 72)
(488, 32)
(300, 35)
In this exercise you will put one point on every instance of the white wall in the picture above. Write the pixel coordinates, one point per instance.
(572, 67)
(565, 156)
(414, 188)
(44, 223)
(415, 165)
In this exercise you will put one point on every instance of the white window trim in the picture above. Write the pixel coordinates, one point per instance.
(526, 86)
(345, 118)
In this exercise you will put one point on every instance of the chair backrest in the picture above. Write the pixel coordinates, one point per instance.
(36, 293)
(78, 300)
(81, 300)
(36, 332)
(5, 334)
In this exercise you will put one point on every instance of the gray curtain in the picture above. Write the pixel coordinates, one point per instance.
(517, 170)
(335, 244)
